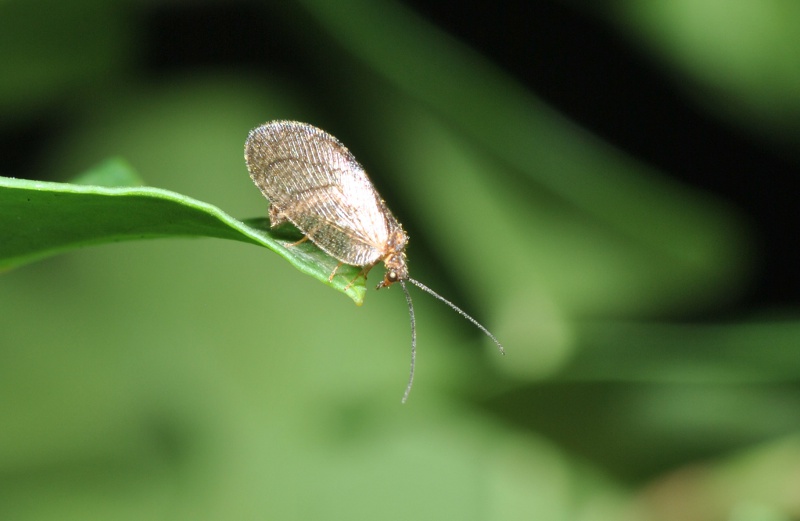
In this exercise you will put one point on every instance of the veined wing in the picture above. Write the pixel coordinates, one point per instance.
(314, 181)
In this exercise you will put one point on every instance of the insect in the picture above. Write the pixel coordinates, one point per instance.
(313, 181)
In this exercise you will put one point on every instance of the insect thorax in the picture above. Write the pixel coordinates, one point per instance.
(395, 259)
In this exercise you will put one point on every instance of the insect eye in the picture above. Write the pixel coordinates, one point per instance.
(392, 276)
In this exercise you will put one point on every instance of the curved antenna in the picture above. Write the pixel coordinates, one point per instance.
(457, 309)
(413, 341)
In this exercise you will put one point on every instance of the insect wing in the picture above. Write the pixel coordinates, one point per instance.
(314, 181)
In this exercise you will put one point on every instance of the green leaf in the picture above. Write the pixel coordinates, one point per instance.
(39, 219)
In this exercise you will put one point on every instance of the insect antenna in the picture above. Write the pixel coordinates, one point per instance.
(413, 341)
(457, 309)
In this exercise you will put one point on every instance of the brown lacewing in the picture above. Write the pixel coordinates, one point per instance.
(314, 182)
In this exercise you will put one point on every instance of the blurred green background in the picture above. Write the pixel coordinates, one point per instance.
(208, 379)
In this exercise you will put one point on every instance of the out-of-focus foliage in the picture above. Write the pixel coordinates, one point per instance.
(208, 379)
(738, 58)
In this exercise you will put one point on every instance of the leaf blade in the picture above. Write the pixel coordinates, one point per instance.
(39, 219)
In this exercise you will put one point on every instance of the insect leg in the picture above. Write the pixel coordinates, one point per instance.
(364, 271)
(301, 241)
(333, 273)
(276, 216)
